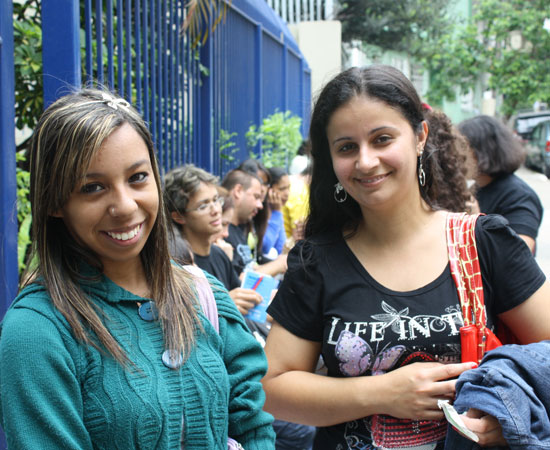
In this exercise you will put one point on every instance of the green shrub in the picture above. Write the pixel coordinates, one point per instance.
(279, 136)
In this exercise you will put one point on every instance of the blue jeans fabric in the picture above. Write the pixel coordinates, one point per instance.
(512, 384)
(293, 436)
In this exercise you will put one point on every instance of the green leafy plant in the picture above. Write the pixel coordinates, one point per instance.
(226, 146)
(24, 216)
(506, 44)
(403, 26)
(27, 39)
(279, 138)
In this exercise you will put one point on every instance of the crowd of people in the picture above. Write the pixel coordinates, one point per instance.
(109, 340)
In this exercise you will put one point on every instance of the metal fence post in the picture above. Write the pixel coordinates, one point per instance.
(60, 48)
(284, 81)
(206, 121)
(258, 74)
(8, 183)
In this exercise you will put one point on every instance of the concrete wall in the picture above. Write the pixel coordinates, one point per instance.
(321, 44)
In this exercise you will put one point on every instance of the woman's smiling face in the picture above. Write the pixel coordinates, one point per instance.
(114, 208)
(374, 151)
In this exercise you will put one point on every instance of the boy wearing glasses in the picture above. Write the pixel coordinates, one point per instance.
(195, 206)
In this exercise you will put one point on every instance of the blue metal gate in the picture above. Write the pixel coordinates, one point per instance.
(258, 69)
(8, 207)
(248, 68)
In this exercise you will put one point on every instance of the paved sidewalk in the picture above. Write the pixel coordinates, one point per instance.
(541, 185)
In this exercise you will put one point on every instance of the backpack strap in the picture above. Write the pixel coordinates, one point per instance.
(206, 296)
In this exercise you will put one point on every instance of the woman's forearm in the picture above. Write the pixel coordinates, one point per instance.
(318, 400)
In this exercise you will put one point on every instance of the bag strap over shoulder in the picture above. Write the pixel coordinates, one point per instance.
(475, 338)
(206, 296)
(465, 269)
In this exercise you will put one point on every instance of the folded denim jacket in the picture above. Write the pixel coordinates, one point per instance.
(512, 384)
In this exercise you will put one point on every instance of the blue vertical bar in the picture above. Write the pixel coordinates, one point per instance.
(137, 46)
(146, 77)
(165, 89)
(180, 125)
(196, 105)
(88, 40)
(128, 18)
(120, 47)
(172, 99)
(60, 48)
(188, 88)
(153, 73)
(8, 185)
(159, 72)
(8, 193)
(99, 40)
(205, 147)
(303, 96)
(110, 49)
(215, 72)
(258, 73)
(285, 77)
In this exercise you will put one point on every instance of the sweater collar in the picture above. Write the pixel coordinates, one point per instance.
(98, 284)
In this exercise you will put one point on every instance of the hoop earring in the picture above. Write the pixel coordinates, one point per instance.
(340, 195)
(421, 173)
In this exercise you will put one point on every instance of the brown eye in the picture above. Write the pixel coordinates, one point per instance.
(346, 148)
(383, 139)
(139, 177)
(90, 188)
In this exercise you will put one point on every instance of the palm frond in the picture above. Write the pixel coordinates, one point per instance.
(202, 17)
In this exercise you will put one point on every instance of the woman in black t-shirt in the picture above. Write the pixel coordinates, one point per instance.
(370, 287)
(499, 191)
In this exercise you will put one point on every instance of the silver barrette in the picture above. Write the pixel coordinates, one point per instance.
(113, 102)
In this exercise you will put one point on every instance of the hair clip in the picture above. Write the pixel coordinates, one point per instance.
(113, 102)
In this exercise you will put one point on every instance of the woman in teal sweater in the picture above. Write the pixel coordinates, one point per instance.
(107, 345)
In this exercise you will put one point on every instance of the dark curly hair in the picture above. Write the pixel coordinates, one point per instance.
(449, 165)
(444, 177)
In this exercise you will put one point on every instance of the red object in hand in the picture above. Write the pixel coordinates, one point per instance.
(468, 343)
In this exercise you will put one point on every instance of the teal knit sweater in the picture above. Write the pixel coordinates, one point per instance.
(56, 393)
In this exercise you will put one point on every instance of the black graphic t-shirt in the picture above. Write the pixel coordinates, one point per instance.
(242, 254)
(366, 329)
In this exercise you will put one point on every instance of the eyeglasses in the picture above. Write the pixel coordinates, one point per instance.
(207, 204)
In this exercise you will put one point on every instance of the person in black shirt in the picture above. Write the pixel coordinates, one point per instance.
(499, 154)
(195, 205)
(370, 288)
(196, 209)
(246, 190)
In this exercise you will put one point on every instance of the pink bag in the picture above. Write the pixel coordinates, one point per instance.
(232, 444)
(210, 309)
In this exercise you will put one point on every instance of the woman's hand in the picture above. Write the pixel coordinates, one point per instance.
(486, 427)
(274, 200)
(414, 389)
(245, 299)
(298, 230)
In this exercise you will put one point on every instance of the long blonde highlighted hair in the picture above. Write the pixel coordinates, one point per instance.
(66, 138)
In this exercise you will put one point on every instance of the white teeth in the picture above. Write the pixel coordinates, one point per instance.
(372, 180)
(125, 236)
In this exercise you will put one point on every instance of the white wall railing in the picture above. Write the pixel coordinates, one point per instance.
(295, 11)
